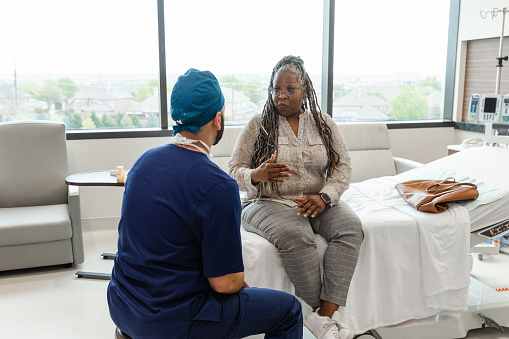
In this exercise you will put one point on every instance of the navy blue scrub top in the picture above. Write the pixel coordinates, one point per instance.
(180, 224)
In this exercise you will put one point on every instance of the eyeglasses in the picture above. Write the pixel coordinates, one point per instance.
(276, 92)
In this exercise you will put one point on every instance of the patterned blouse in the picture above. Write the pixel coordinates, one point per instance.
(306, 156)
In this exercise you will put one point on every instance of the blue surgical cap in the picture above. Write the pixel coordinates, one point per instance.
(195, 100)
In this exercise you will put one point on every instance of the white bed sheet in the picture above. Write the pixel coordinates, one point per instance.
(408, 266)
(488, 164)
(398, 276)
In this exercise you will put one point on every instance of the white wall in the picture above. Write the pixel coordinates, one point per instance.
(471, 27)
(421, 144)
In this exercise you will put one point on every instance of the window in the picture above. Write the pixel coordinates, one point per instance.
(240, 42)
(390, 60)
(95, 64)
(92, 64)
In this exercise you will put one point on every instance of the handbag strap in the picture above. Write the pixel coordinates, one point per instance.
(453, 184)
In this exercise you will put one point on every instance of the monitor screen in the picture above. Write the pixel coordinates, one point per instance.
(490, 105)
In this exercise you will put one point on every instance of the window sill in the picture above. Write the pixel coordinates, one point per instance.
(154, 133)
(477, 127)
(419, 124)
(118, 134)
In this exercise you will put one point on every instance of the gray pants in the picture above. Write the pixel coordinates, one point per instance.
(293, 236)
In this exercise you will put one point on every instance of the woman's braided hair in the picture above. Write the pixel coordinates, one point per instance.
(266, 142)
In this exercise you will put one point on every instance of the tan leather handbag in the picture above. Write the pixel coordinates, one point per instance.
(433, 195)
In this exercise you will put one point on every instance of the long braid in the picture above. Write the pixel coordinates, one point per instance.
(266, 142)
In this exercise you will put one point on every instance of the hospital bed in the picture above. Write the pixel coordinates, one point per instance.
(413, 275)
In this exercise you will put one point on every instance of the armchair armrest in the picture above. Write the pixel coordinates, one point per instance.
(73, 198)
(403, 165)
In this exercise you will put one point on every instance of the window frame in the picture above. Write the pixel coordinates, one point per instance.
(327, 81)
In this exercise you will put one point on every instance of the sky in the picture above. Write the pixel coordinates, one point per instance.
(223, 36)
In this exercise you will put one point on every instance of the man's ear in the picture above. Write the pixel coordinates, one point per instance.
(217, 120)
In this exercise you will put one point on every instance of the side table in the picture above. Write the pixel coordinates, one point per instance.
(94, 178)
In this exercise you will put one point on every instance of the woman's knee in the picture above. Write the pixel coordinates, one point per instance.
(356, 226)
(288, 237)
(355, 233)
(350, 230)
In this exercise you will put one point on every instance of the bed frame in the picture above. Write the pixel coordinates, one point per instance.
(486, 306)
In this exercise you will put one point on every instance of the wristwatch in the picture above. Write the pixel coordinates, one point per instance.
(326, 199)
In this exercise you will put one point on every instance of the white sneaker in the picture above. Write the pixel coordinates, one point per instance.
(344, 331)
(322, 327)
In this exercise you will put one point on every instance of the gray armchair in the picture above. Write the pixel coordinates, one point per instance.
(40, 219)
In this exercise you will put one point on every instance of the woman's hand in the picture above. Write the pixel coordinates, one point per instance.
(310, 205)
(270, 171)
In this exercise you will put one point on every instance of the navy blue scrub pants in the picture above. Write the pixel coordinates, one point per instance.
(253, 311)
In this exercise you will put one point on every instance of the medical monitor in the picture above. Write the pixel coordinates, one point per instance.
(504, 115)
(490, 108)
(474, 105)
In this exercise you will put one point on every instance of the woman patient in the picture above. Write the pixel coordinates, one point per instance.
(294, 165)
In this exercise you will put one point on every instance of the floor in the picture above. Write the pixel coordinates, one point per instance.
(52, 303)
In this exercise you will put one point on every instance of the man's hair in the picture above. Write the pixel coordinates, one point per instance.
(266, 142)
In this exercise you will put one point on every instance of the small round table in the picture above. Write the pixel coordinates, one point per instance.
(94, 178)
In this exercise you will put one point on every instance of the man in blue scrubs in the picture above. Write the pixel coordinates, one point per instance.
(178, 272)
